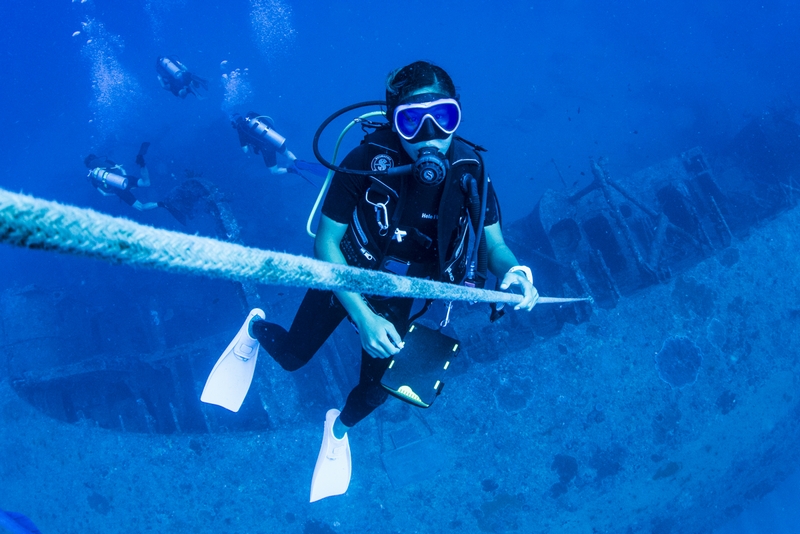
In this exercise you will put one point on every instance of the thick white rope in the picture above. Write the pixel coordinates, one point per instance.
(34, 223)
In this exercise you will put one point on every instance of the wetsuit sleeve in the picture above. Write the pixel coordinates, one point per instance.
(346, 189)
(243, 140)
(492, 208)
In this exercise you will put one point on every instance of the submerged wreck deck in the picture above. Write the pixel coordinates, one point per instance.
(666, 407)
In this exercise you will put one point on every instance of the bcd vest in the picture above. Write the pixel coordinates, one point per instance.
(366, 240)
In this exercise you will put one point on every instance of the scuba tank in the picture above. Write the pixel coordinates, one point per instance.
(261, 129)
(109, 179)
(173, 68)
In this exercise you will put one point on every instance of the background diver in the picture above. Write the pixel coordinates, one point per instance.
(411, 226)
(176, 78)
(257, 134)
(110, 179)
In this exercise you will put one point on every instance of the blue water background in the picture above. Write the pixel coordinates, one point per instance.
(540, 82)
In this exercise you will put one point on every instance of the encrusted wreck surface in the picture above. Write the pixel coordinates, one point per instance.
(667, 407)
(573, 433)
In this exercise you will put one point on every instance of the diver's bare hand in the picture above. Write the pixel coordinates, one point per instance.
(519, 281)
(378, 336)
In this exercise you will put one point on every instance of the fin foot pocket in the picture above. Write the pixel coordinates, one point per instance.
(230, 379)
(333, 470)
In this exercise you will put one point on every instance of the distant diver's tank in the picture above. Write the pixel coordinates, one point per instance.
(173, 68)
(263, 130)
(109, 178)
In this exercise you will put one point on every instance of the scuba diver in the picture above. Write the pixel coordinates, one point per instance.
(176, 78)
(416, 222)
(257, 134)
(110, 179)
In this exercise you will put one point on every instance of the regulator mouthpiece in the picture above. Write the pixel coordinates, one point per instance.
(431, 167)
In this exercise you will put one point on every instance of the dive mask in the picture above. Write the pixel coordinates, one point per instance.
(409, 119)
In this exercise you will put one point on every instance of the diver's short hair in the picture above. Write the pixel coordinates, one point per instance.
(403, 82)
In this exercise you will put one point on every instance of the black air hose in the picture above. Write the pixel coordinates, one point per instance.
(477, 214)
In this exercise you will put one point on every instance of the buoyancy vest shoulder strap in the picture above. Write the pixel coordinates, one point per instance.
(463, 159)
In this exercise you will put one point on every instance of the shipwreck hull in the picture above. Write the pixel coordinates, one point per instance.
(617, 236)
(668, 413)
(667, 407)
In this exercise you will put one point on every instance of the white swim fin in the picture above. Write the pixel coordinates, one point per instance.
(334, 466)
(230, 379)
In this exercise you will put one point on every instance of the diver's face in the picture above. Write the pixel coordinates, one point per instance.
(412, 149)
(429, 135)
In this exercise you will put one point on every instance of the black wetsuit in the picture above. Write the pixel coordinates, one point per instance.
(321, 312)
(267, 151)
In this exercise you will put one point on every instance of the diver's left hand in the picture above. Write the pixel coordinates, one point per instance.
(529, 293)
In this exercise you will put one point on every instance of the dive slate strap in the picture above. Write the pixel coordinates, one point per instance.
(415, 374)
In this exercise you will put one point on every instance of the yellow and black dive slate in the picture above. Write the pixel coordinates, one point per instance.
(415, 374)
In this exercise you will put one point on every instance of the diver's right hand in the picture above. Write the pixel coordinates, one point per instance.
(378, 336)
